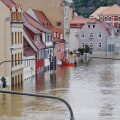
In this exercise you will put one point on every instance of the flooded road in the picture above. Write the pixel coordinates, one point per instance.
(92, 89)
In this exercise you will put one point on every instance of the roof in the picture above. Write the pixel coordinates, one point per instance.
(42, 18)
(79, 20)
(51, 8)
(109, 10)
(102, 24)
(98, 12)
(29, 26)
(112, 10)
(10, 3)
(35, 24)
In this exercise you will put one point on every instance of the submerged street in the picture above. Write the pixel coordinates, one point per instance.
(92, 89)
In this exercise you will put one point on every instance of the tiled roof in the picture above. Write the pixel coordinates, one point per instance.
(113, 10)
(34, 23)
(98, 12)
(102, 24)
(79, 20)
(109, 10)
(10, 3)
(42, 18)
(40, 45)
(29, 26)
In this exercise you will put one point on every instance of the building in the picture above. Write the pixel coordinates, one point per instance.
(109, 14)
(94, 33)
(58, 12)
(57, 35)
(11, 38)
(45, 37)
(75, 27)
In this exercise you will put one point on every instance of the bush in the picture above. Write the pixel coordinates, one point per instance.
(71, 52)
(81, 50)
(84, 50)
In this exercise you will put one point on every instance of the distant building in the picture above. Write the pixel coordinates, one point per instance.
(96, 34)
(75, 27)
(109, 14)
(11, 39)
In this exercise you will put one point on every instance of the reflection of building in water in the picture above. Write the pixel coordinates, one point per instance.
(11, 39)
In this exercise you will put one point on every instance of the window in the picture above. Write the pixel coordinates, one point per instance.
(16, 59)
(105, 18)
(39, 54)
(118, 18)
(118, 25)
(110, 18)
(15, 37)
(21, 57)
(88, 26)
(99, 45)
(19, 16)
(47, 38)
(54, 35)
(21, 37)
(83, 45)
(18, 37)
(42, 54)
(91, 45)
(12, 60)
(99, 35)
(111, 48)
(82, 35)
(101, 18)
(13, 15)
(12, 38)
(93, 26)
(91, 35)
(38, 37)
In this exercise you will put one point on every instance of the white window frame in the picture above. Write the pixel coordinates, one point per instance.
(82, 35)
(91, 35)
(99, 35)
(99, 45)
(91, 45)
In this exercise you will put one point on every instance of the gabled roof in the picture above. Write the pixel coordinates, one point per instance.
(98, 12)
(42, 18)
(35, 23)
(109, 10)
(10, 4)
(29, 26)
(79, 20)
(102, 24)
(113, 10)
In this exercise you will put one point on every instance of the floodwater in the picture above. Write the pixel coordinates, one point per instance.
(92, 89)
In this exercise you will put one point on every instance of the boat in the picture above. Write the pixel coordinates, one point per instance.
(67, 64)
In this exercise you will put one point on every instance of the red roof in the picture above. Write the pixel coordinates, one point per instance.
(42, 18)
(36, 24)
(29, 26)
(10, 3)
(79, 20)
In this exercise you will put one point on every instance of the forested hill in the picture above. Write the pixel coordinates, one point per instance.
(86, 7)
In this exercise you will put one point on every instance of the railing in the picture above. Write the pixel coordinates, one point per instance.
(43, 96)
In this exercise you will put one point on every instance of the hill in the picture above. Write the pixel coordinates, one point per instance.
(86, 7)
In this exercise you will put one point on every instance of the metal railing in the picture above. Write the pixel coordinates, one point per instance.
(43, 96)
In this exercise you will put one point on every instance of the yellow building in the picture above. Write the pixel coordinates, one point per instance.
(11, 42)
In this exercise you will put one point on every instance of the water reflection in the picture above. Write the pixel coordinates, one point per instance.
(92, 89)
